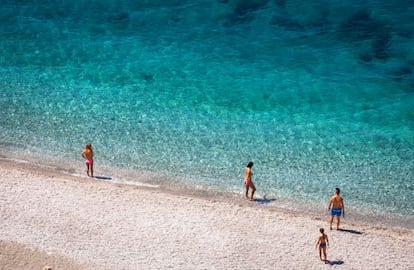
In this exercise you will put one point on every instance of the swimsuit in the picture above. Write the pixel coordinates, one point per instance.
(322, 245)
(89, 162)
(336, 212)
(248, 182)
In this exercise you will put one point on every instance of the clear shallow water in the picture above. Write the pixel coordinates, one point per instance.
(317, 94)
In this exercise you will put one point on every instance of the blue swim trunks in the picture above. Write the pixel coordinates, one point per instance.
(336, 212)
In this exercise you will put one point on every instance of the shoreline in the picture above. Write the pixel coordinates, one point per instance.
(151, 180)
(104, 225)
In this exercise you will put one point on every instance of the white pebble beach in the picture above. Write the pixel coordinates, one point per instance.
(68, 222)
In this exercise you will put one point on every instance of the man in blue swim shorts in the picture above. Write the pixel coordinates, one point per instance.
(336, 212)
(337, 207)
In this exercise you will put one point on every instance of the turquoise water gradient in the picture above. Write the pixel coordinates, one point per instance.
(317, 94)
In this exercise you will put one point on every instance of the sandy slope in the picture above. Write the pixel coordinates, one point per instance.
(70, 222)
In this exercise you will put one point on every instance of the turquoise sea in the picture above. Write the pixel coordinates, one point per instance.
(182, 94)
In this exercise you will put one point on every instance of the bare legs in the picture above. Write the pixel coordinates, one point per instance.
(338, 221)
(330, 222)
(89, 167)
(324, 254)
(250, 185)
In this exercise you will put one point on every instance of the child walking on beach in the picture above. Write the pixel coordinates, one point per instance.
(87, 154)
(322, 243)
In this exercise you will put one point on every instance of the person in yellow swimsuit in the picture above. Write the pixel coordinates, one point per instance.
(87, 154)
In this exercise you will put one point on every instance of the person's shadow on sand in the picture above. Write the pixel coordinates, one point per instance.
(337, 262)
(350, 231)
(264, 200)
(105, 178)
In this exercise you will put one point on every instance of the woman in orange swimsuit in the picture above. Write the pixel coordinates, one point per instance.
(87, 154)
(248, 180)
